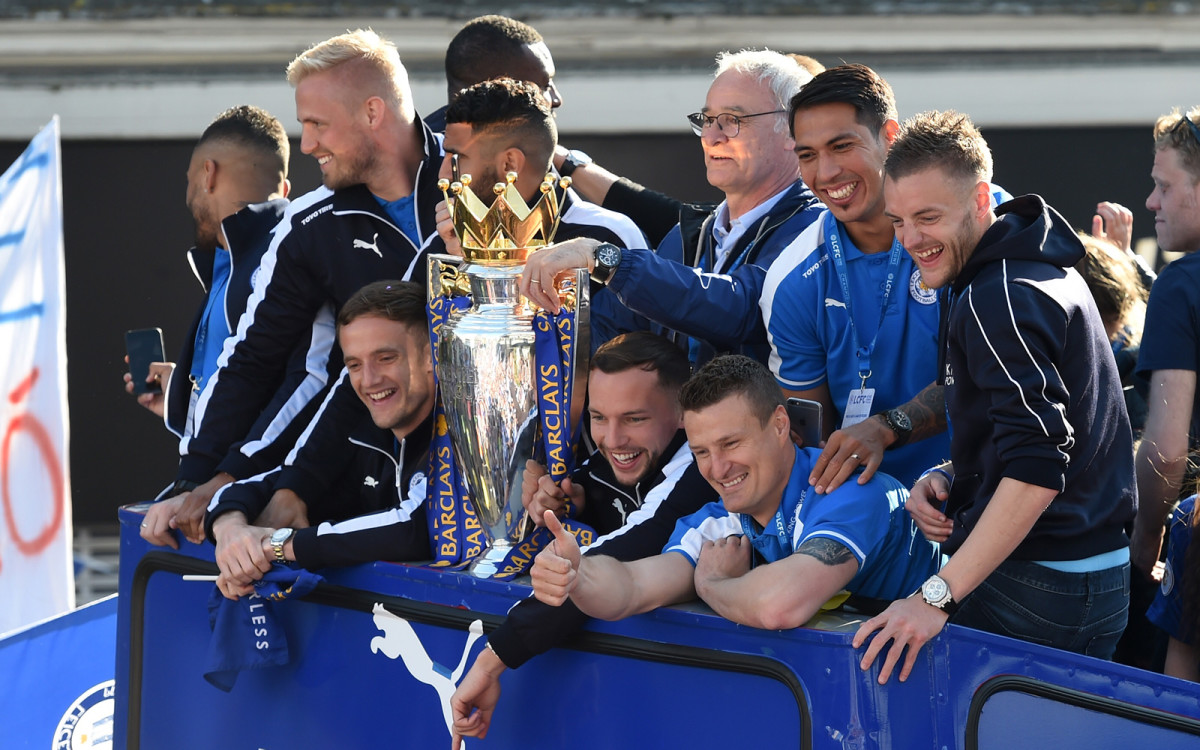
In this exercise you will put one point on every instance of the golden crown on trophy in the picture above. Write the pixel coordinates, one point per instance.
(508, 230)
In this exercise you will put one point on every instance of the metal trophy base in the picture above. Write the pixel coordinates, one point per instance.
(488, 563)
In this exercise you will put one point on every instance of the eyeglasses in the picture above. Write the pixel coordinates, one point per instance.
(1191, 125)
(729, 124)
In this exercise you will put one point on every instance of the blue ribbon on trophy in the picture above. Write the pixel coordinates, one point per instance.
(553, 353)
(503, 381)
(555, 344)
(454, 532)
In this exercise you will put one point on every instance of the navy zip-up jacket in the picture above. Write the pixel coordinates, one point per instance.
(329, 245)
(248, 234)
(378, 486)
(665, 290)
(1032, 389)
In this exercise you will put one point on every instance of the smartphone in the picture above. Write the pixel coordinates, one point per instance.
(805, 416)
(144, 346)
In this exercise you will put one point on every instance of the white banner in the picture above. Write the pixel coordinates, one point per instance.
(36, 575)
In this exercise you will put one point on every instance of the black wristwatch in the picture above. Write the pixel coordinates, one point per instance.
(936, 593)
(572, 161)
(608, 257)
(899, 423)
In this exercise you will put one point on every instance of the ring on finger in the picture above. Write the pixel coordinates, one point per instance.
(535, 281)
(855, 456)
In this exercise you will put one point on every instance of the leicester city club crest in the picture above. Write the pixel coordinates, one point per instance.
(88, 723)
(921, 293)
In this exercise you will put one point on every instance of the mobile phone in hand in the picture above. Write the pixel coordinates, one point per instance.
(805, 416)
(144, 346)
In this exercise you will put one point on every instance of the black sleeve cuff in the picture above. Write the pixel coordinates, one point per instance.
(181, 486)
(533, 628)
(194, 468)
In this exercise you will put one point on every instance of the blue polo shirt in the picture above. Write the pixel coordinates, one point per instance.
(894, 558)
(402, 212)
(213, 328)
(807, 319)
(1171, 336)
(1167, 610)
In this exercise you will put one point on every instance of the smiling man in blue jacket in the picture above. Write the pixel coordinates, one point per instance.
(770, 551)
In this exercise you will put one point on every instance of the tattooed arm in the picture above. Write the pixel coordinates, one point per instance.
(780, 595)
(864, 443)
(926, 411)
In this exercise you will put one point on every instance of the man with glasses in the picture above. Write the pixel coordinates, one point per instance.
(729, 124)
(1170, 353)
(655, 214)
(703, 283)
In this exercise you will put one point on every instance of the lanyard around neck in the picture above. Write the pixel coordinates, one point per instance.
(833, 236)
(773, 543)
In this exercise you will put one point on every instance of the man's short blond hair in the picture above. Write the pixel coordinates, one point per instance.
(1170, 131)
(374, 59)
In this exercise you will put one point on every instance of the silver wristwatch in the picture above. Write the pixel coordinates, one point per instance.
(936, 593)
(572, 161)
(278, 539)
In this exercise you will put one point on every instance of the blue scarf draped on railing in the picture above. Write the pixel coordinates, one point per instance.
(245, 632)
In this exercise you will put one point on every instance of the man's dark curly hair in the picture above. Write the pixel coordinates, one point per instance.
(486, 46)
(247, 126)
(515, 111)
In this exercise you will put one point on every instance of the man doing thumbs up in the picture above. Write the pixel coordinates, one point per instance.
(771, 550)
(640, 480)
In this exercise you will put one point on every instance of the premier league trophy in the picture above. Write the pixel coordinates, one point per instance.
(490, 379)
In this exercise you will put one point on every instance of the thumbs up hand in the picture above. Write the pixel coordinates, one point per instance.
(556, 567)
